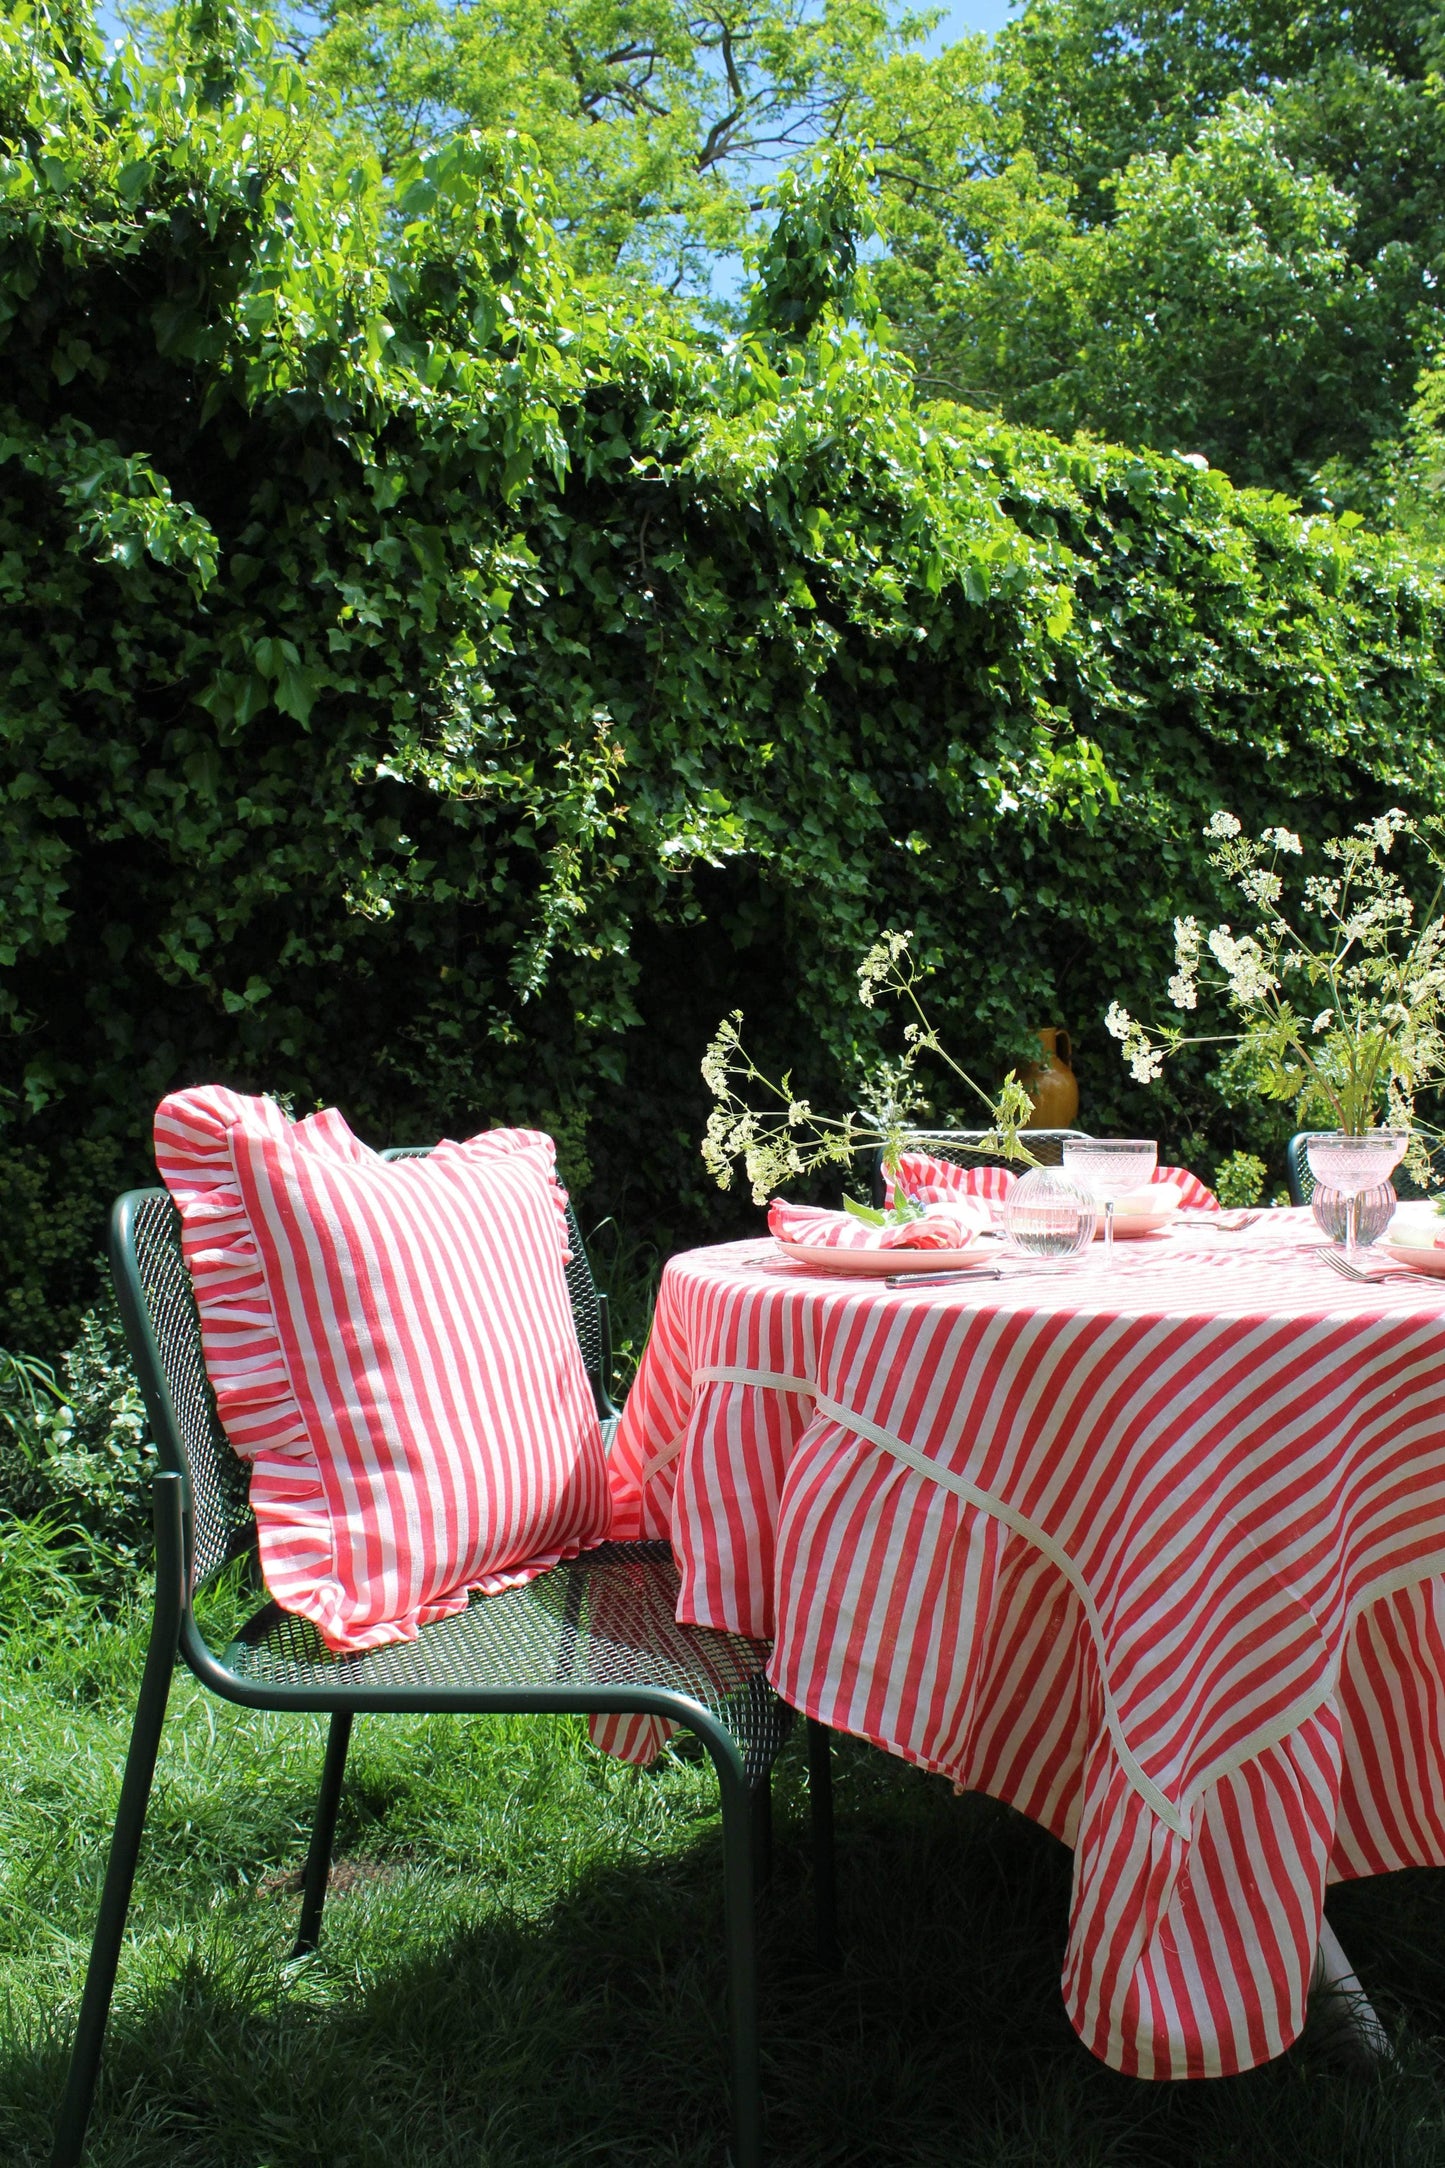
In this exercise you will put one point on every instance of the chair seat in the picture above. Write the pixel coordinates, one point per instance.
(606, 1619)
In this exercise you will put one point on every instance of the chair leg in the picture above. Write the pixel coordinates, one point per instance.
(323, 1833)
(135, 1791)
(825, 1884)
(740, 1927)
(762, 1816)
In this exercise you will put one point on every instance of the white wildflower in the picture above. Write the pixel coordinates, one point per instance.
(1118, 1022)
(1243, 964)
(1183, 987)
(879, 964)
(1283, 839)
(1146, 1063)
(1322, 1021)
(717, 1060)
(1222, 825)
(1261, 886)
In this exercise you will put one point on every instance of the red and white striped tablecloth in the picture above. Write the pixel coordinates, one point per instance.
(1155, 1555)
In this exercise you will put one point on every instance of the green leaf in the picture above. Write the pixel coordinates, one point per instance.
(865, 1212)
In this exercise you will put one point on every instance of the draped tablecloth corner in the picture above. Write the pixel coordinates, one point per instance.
(1153, 1555)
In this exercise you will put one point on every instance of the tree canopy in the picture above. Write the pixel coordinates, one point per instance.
(1217, 226)
(439, 683)
(658, 124)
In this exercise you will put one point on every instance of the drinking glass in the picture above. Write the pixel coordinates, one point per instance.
(1110, 1167)
(1349, 1164)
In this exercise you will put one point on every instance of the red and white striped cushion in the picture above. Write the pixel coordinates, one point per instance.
(391, 1346)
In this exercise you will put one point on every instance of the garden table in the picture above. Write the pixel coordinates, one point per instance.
(1156, 1555)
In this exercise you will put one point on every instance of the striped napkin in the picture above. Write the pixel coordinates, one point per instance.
(810, 1224)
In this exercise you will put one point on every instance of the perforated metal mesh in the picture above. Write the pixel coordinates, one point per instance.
(1301, 1180)
(219, 1484)
(1047, 1146)
(608, 1619)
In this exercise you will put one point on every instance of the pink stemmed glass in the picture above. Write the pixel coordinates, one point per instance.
(1349, 1165)
(1110, 1167)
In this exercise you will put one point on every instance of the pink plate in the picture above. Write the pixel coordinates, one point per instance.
(1134, 1226)
(877, 1264)
(1416, 1257)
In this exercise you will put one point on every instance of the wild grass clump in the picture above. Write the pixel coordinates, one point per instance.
(522, 1961)
(522, 1957)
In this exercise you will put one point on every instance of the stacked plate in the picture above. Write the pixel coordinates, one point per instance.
(1416, 1237)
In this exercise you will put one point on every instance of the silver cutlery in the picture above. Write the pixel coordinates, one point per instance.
(1348, 1271)
(972, 1272)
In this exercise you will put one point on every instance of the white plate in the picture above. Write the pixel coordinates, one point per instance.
(1419, 1260)
(1416, 1224)
(1131, 1226)
(876, 1264)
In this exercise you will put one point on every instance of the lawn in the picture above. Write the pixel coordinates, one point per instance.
(521, 1960)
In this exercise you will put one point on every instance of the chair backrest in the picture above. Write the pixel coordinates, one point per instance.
(1047, 1146)
(163, 1331)
(1300, 1176)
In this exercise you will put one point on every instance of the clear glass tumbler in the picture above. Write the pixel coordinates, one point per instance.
(1109, 1167)
(1349, 1164)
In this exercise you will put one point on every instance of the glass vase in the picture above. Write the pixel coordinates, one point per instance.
(1374, 1210)
(1350, 1163)
(1047, 1213)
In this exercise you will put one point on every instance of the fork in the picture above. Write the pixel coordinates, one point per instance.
(1347, 1271)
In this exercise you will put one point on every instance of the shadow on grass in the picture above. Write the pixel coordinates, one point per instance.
(445, 2023)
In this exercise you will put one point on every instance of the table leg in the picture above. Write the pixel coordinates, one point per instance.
(1341, 2019)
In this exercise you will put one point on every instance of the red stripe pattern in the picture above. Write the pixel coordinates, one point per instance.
(939, 1181)
(391, 1347)
(1154, 1554)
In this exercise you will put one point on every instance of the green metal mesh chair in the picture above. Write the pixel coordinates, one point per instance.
(1302, 1182)
(597, 1635)
(1047, 1146)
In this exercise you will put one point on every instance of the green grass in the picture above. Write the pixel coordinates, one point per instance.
(522, 1965)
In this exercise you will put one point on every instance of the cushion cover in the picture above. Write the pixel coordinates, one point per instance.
(391, 1346)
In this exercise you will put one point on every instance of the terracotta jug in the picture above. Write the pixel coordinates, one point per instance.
(1051, 1083)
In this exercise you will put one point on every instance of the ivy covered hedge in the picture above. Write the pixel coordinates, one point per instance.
(428, 686)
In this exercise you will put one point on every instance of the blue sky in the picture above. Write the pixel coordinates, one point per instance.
(974, 15)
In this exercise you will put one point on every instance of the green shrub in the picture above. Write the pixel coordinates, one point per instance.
(75, 1461)
(1239, 1179)
(433, 687)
